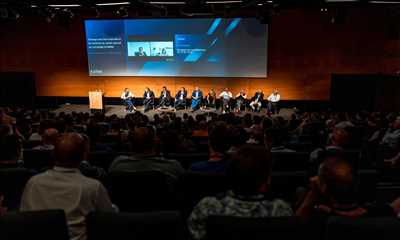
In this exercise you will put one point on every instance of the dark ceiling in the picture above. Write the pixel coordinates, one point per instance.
(15, 9)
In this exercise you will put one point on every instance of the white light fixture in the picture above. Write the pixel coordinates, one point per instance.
(34, 6)
(259, 4)
(63, 5)
(340, 1)
(384, 2)
(168, 3)
(113, 4)
(223, 2)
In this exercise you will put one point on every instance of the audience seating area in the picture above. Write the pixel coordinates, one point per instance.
(155, 206)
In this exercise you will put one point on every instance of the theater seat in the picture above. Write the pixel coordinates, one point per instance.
(194, 186)
(290, 161)
(284, 184)
(12, 184)
(135, 226)
(362, 228)
(38, 160)
(142, 191)
(387, 192)
(43, 225)
(186, 159)
(237, 228)
(101, 159)
(367, 180)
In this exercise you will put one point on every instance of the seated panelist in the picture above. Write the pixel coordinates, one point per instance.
(211, 98)
(225, 96)
(180, 99)
(273, 101)
(148, 99)
(165, 98)
(240, 100)
(127, 97)
(197, 97)
(256, 101)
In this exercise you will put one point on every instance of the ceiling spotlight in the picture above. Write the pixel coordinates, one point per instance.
(123, 12)
(259, 4)
(68, 13)
(48, 14)
(113, 3)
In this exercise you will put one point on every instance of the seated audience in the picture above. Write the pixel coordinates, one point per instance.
(333, 192)
(248, 172)
(64, 187)
(337, 142)
(395, 205)
(273, 140)
(218, 145)
(49, 138)
(5, 119)
(10, 151)
(238, 138)
(3, 210)
(145, 158)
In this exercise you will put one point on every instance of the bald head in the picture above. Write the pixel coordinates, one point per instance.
(69, 150)
(142, 140)
(50, 136)
(337, 179)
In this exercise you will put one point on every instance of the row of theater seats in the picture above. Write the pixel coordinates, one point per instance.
(50, 225)
(153, 190)
(283, 161)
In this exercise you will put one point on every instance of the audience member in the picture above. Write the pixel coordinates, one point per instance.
(333, 191)
(3, 210)
(337, 143)
(396, 206)
(64, 187)
(49, 138)
(273, 140)
(249, 171)
(10, 151)
(144, 157)
(218, 146)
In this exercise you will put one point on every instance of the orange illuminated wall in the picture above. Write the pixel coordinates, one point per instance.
(304, 48)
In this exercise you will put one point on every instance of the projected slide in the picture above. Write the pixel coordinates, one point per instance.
(217, 47)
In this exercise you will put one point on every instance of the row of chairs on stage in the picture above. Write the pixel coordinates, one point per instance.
(171, 225)
(232, 105)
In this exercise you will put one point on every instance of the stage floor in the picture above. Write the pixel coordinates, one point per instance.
(119, 110)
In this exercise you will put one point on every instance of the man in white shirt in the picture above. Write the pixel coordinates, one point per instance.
(226, 96)
(49, 138)
(127, 97)
(64, 187)
(273, 99)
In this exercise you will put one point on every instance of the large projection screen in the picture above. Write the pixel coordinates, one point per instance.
(202, 47)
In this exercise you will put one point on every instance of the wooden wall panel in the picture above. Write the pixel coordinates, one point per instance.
(304, 48)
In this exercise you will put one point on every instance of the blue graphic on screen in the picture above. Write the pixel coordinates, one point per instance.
(206, 47)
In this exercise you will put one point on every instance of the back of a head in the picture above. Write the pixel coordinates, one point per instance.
(218, 137)
(273, 137)
(69, 150)
(249, 169)
(142, 139)
(50, 136)
(238, 136)
(336, 175)
(10, 148)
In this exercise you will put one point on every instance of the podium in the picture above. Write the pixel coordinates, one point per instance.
(96, 101)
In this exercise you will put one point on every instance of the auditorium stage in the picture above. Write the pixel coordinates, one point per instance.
(119, 110)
